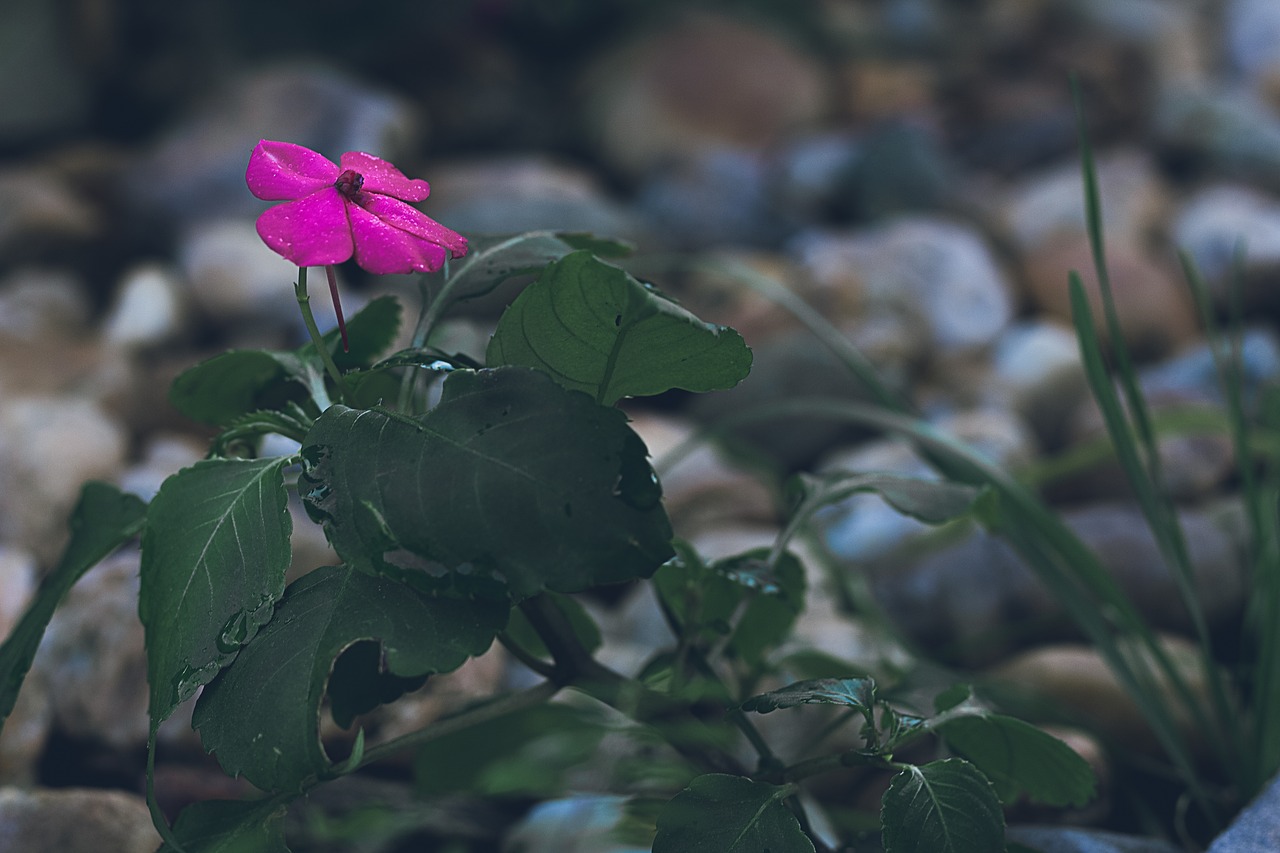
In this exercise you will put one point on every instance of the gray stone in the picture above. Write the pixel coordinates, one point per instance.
(231, 275)
(49, 446)
(1193, 373)
(38, 303)
(164, 454)
(1257, 828)
(1252, 32)
(938, 273)
(1231, 130)
(1036, 369)
(40, 212)
(18, 576)
(712, 198)
(581, 824)
(197, 170)
(1070, 839)
(92, 661)
(74, 820)
(149, 308)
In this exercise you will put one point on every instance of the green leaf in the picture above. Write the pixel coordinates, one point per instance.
(942, 807)
(262, 714)
(370, 333)
(222, 388)
(776, 599)
(231, 826)
(1019, 758)
(103, 519)
(213, 561)
(730, 814)
(857, 693)
(525, 753)
(510, 485)
(930, 501)
(492, 260)
(596, 329)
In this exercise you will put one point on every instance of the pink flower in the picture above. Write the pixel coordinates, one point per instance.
(355, 208)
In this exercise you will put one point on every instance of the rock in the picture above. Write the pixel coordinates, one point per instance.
(1071, 839)
(1252, 34)
(581, 824)
(706, 83)
(1076, 679)
(1155, 311)
(92, 660)
(75, 820)
(149, 308)
(1224, 219)
(49, 446)
(25, 736)
(164, 454)
(46, 90)
(232, 277)
(712, 198)
(1036, 369)
(1257, 828)
(1222, 131)
(902, 168)
(1193, 373)
(702, 489)
(879, 88)
(525, 193)
(196, 171)
(937, 273)
(1170, 35)
(811, 174)
(42, 215)
(1049, 206)
(18, 578)
(42, 303)
(976, 599)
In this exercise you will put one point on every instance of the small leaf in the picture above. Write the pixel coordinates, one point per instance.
(930, 501)
(231, 826)
(594, 328)
(857, 693)
(262, 714)
(730, 814)
(942, 807)
(509, 486)
(776, 600)
(213, 561)
(103, 519)
(222, 388)
(1019, 758)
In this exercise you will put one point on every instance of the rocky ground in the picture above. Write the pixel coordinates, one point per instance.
(908, 167)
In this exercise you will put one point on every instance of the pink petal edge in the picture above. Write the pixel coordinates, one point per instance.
(382, 177)
(400, 215)
(383, 249)
(281, 171)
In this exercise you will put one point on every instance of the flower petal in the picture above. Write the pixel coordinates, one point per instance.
(281, 171)
(312, 231)
(406, 218)
(383, 249)
(381, 177)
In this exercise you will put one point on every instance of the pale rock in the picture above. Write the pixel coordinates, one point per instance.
(232, 275)
(938, 273)
(1252, 33)
(1036, 368)
(39, 210)
(49, 446)
(1230, 130)
(92, 660)
(165, 454)
(75, 820)
(1153, 306)
(1074, 839)
(25, 735)
(1223, 219)
(1049, 206)
(1257, 828)
(707, 82)
(712, 198)
(148, 309)
(18, 577)
(42, 303)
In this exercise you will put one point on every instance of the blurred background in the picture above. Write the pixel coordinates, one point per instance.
(908, 167)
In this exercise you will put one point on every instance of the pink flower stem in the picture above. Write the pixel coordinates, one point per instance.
(337, 306)
(317, 340)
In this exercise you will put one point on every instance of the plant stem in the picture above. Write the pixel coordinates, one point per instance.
(304, 304)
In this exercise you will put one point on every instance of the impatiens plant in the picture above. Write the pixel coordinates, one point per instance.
(485, 511)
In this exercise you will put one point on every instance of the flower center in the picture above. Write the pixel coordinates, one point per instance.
(349, 183)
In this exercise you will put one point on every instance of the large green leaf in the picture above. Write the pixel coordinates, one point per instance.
(104, 519)
(1019, 758)
(231, 826)
(510, 485)
(262, 714)
(942, 807)
(596, 329)
(730, 814)
(213, 561)
(859, 693)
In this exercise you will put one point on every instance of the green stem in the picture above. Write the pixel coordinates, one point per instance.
(304, 304)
